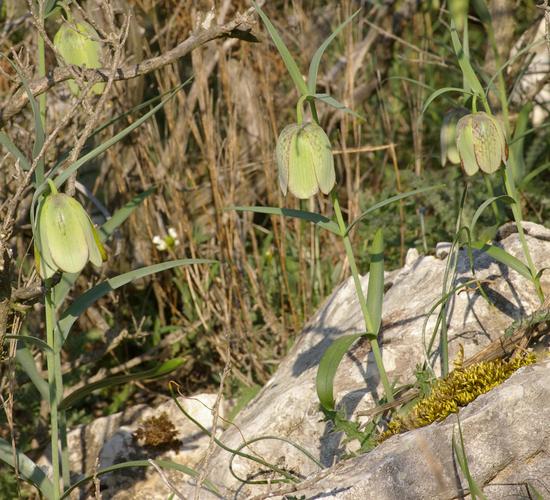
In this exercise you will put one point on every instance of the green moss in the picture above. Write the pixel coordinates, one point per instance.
(459, 388)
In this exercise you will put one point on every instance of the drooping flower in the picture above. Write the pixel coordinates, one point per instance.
(447, 136)
(78, 44)
(65, 237)
(481, 143)
(304, 160)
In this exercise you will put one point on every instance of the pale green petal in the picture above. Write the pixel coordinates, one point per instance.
(465, 146)
(282, 153)
(487, 143)
(62, 233)
(302, 181)
(43, 257)
(323, 160)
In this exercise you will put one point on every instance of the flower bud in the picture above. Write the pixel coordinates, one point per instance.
(304, 160)
(481, 143)
(459, 12)
(447, 136)
(78, 44)
(65, 236)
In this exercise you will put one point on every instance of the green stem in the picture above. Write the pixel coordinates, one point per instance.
(516, 211)
(494, 205)
(54, 396)
(361, 297)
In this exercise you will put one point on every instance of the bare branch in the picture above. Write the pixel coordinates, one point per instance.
(240, 27)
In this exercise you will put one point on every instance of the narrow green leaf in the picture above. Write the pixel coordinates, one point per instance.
(30, 340)
(375, 293)
(531, 175)
(316, 59)
(107, 229)
(464, 63)
(164, 464)
(328, 366)
(505, 198)
(82, 303)
(27, 468)
(482, 12)
(390, 200)
(27, 363)
(434, 95)
(289, 61)
(157, 372)
(39, 135)
(330, 101)
(503, 257)
(15, 151)
(317, 219)
(517, 144)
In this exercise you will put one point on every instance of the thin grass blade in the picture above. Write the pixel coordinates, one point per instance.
(289, 61)
(157, 372)
(15, 151)
(503, 257)
(27, 363)
(27, 468)
(82, 303)
(316, 59)
(390, 200)
(315, 218)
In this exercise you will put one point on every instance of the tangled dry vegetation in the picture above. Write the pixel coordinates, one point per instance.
(211, 147)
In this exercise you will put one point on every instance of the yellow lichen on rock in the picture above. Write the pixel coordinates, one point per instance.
(458, 389)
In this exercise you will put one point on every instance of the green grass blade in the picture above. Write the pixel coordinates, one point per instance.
(460, 454)
(39, 134)
(61, 178)
(316, 59)
(324, 382)
(331, 101)
(82, 303)
(434, 95)
(159, 371)
(107, 229)
(164, 464)
(30, 340)
(27, 468)
(375, 293)
(27, 363)
(317, 219)
(505, 198)
(464, 63)
(503, 257)
(289, 61)
(531, 175)
(390, 200)
(15, 151)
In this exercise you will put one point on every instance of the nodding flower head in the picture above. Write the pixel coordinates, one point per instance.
(78, 44)
(481, 143)
(304, 160)
(447, 136)
(65, 237)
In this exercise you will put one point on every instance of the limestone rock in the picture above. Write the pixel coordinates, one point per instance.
(288, 407)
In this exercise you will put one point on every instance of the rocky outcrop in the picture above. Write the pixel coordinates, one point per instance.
(506, 432)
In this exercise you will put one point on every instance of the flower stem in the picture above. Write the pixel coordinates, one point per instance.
(361, 297)
(516, 211)
(53, 399)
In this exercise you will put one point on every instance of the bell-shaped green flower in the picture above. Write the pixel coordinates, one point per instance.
(447, 136)
(78, 44)
(304, 160)
(65, 237)
(481, 143)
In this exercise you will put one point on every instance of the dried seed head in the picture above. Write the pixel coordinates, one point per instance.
(481, 143)
(304, 160)
(78, 44)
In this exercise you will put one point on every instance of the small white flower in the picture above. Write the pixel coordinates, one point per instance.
(172, 232)
(159, 243)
